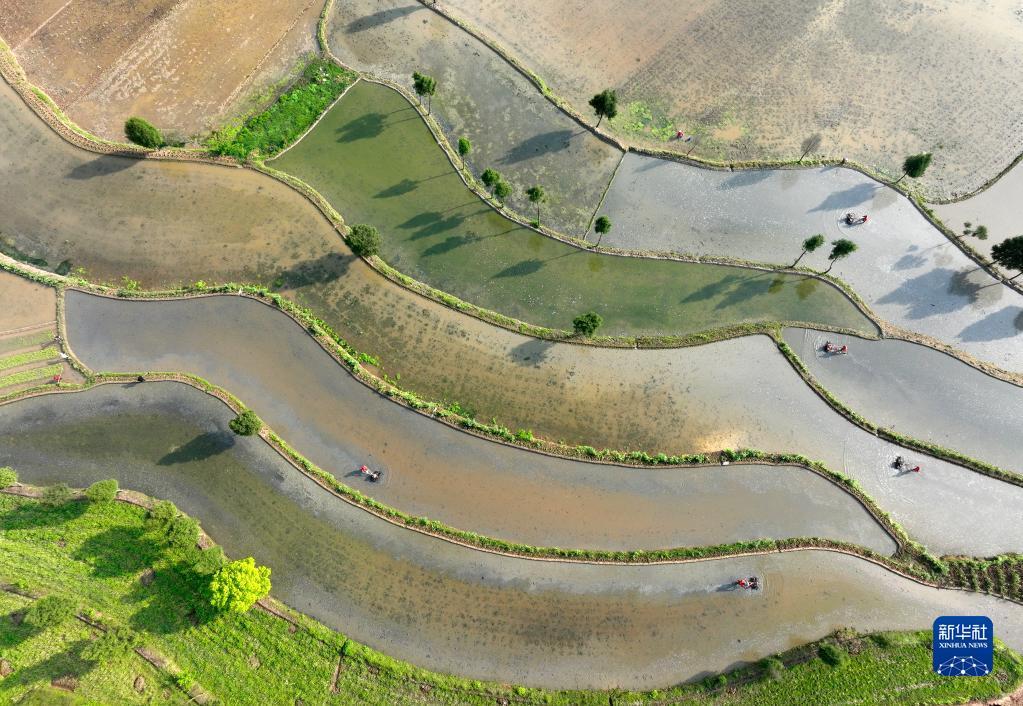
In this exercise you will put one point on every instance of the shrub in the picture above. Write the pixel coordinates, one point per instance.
(364, 240)
(8, 476)
(832, 654)
(246, 423)
(102, 491)
(773, 668)
(587, 324)
(163, 512)
(56, 495)
(142, 132)
(115, 642)
(209, 561)
(236, 586)
(50, 611)
(183, 532)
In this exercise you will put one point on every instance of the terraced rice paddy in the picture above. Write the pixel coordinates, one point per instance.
(434, 471)
(443, 606)
(511, 126)
(376, 162)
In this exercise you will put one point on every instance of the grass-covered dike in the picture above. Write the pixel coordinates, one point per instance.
(120, 574)
(270, 131)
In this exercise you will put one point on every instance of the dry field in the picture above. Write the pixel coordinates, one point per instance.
(186, 65)
(876, 79)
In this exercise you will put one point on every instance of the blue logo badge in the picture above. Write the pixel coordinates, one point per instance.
(964, 646)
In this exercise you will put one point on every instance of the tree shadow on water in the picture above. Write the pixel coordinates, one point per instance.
(521, 269)
(382, 17)
(533, 352)
(539, 145)
(361, 128)
(200, 448)
(101, 166)
(451, 243)
(402, 187)
(327, 268)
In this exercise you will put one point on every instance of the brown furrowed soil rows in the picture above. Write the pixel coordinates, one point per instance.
(185, 65)
(875, 80)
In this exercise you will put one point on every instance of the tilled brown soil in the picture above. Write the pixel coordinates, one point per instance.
(875, 79)
(186, 65)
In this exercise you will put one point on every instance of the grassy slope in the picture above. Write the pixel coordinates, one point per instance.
(96, 553)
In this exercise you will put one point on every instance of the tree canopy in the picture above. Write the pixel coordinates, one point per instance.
(605, 104)
(142, 132)
(464, 147)
(1009, 254)
(489, 177)
(502, 189)
(915, 165)
(102, 491)
(809, 245)
(841, 248)
(425, 86)
(537, 195)
(364, 240)
(587, 324)
(238, 585)
(246, 423)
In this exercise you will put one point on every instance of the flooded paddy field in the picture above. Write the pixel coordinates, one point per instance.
(443, 606)
(905, 269)
(375, 160)
(763, 79)
(435, 471)
(997, 208)
(185, 66)
(512, 127)
(922, 393)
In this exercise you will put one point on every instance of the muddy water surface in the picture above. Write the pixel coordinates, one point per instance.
(446, 607)
(438, 472)
(922, 393)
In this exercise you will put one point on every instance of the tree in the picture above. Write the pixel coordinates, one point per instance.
(102, 491)
(605, 105)
(7, 476)
(56, 495)
(425, 86)
(587, 324)
(142, 132)
(115, 642)
(490, 177)
(236, 586)
(183, 532)
(809, 245)
(364, 240)
(1009, 254)
(502, 190)
(603, 226)
(50, 611)
(209, 561)
(536, 195)
(464, 148)
(841, 248)
(246, 423)
(915, 165)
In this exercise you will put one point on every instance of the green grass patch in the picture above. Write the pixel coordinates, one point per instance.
(13, 361)
(95, 554)
(26, 340)
(269, 132)
(30, 375)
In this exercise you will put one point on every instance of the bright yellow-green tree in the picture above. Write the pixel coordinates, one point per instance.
(239, 584)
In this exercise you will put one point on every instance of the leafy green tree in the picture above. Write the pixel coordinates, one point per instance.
(246, 423)
(7, 476)
(464, 148)
(915, 165)
(238, 585)
(425, 86)
(490, 177)
(183, 532)
(502, 190)
(841, 248)
(56, 495)
(114, 643)
(102, 491)
(50, 611)
(809, 245)
(587, 324)
(142, 132)
(364, 240)
(536, 195)
(162, 513)
(209, 561)
(605, 105)
(1009, 254)
(602, 226)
